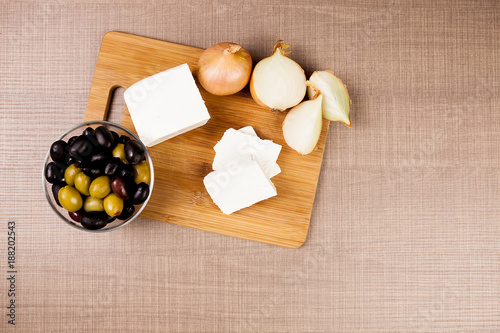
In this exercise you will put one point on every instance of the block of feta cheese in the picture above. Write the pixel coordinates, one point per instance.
(238, 186)
(165, 105)
(244, 145)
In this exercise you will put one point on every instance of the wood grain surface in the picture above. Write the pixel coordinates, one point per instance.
(405, 229)
(181, 163)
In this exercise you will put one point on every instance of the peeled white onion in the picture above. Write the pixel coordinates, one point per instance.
(302, 125)
(277, 81)
(224, 68)
(336, 101)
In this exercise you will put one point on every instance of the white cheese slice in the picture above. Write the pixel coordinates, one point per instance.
(274, 169)
(239, 186)
(165, 105)
(239, 147)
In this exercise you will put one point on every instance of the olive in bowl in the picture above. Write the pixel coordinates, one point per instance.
(92, 181)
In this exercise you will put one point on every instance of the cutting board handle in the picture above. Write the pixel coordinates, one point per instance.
(99, 101)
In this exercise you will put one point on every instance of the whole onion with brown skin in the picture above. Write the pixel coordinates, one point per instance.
(224, 68)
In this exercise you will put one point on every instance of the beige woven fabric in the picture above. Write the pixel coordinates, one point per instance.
(405, 232)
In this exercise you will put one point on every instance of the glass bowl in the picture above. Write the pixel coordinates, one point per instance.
(77, 131)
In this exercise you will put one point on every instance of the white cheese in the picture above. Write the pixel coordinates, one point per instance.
(165, 105)
(239, 186)
(243, 166)
(244, 145)
(274, 169)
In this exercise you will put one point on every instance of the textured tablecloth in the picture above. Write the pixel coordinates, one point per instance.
(405, 232)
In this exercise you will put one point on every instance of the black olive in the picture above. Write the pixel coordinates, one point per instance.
(116, 137)
(93, 171)
(58, 151)
(89, 134)
(133, 152)
(126, 171)
(104, 137)
(101, 157)
(94, 142)
(111, 219)
(55, 191)
(141, 194)
(128, 210)
(89, 131)
(53, 174)
(94, 220)
(112, 167)
(123, 139)
(72, 139)
(81, 148)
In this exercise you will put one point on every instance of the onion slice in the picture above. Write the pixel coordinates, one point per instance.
(302, 125)
(336, 101)
(277, 81)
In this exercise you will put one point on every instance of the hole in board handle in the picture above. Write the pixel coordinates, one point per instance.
(116, 107)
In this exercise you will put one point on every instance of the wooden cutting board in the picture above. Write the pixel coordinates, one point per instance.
(181, 163)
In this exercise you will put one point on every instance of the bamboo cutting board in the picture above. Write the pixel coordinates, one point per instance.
(181, 163)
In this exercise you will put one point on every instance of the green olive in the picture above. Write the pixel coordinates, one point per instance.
(82, 183)
(70, 198)
(100, 187)
(142, 174)
(119, 151)
(70, 173)
(113, 205)
(92, 204)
